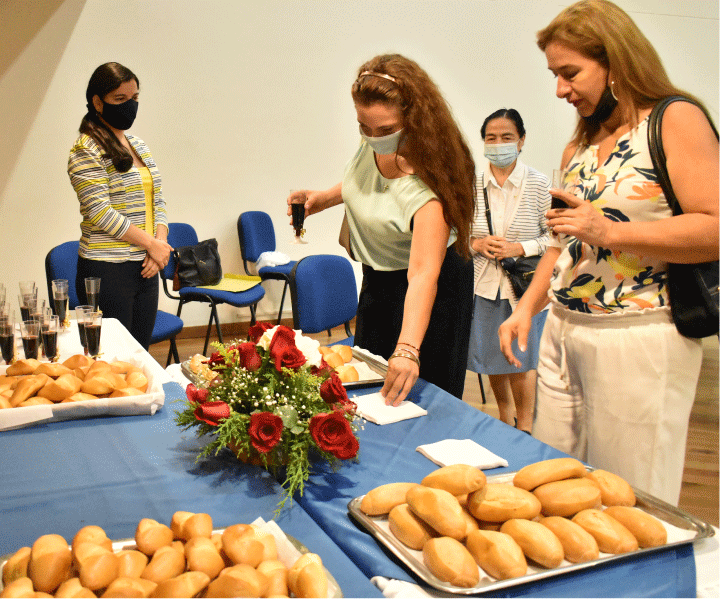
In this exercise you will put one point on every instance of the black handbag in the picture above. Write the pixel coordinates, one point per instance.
(197, 265)
(693, 288)
(519, 270)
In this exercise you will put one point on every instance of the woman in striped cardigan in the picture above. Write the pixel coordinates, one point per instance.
(518, 197)
(124, 228)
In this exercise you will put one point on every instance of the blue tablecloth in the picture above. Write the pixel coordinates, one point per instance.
(112, 472)
(387, 454)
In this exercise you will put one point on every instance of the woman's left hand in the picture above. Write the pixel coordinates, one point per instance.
(505, 249)
(581, 220)
(150, 267)
(401, 376)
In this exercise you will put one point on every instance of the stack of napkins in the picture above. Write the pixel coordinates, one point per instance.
(372, 408)
(466, 452)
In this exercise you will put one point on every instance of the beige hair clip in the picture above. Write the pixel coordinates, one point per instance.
(374, 74)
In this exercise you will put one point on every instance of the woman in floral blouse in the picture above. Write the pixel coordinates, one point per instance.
(616, 381)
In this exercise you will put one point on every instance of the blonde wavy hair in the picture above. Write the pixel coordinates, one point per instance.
(602, 31)
(432, 142)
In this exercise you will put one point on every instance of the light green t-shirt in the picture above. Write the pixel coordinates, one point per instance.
(380, 212)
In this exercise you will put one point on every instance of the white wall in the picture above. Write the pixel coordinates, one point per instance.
(242, 101)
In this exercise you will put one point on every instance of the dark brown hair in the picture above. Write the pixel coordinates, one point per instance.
(105, 79)
(432, 142)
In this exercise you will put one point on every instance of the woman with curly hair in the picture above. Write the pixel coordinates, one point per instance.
(409, 195)
(616, 380)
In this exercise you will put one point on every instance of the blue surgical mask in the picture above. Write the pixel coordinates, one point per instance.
(502, 155)
(387, 144)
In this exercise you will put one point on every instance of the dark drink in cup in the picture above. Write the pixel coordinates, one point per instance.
(7, 344)
(83, 338)
(31, 344)
(92, 335)
(298, 218)
(61, 305)
(92, 299)
(49, 340)
(25, 312)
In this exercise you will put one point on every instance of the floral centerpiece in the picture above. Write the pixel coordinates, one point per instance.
(274, 401)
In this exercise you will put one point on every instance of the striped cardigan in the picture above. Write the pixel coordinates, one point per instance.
(527, 226)
(111, 201)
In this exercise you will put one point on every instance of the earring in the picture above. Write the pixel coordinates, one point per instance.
(612, 83)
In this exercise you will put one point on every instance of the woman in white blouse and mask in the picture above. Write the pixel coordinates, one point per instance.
(518, 198)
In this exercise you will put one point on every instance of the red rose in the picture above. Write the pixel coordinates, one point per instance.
(332, 433)
(283, 350)
(212, 412)
(265, 431)
(323, 369)
(332, 390)
(256, 331)
(215, 359)
(249, 357)
(196, 395)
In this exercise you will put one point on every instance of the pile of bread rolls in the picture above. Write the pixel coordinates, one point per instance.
(198, 365)
(338, 357)
(184, 560)
(29, 382)
(553, 510)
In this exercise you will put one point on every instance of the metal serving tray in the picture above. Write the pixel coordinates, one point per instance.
(682, 529)
(129, 544)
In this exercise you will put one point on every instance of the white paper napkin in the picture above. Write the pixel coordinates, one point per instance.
(372, 408)
(466, 452)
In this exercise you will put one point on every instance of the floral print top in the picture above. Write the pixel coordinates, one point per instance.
(597, 280)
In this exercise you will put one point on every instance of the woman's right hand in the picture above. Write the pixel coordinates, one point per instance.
(159, 251)
(489, 246)
(313, 201)
(516, 326)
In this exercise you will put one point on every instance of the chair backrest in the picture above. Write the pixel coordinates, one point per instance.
(256, 234)
(323, 292)
(61, 263)
(179, 234)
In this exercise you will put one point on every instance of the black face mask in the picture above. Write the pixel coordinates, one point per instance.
(604, 108)
(120, 116)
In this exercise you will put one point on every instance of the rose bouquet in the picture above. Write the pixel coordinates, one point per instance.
(274, 401)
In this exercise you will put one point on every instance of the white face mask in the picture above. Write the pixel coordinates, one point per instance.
(387, 144)
(502, 155)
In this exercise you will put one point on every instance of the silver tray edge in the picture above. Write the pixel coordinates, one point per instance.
(650, 504)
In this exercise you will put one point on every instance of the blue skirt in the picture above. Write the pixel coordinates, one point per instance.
(484, 355)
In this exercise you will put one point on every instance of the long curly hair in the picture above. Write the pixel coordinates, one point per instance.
(432, 142)
(105, 79)
(602, 31)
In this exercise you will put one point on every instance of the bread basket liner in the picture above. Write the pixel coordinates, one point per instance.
(681, 527)
(145, 404)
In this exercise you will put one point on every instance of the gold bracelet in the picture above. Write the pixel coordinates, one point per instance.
(405, 354)
(409, 346)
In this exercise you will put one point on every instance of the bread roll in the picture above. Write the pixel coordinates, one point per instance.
(19, 588)
(91, 534)
(499, 502)
(611, 536)
(410, 529)
(382, 499)
(137, 380)
(334, 360)
(185, 585)
(16, 566)
(23, 366)
(126, 392)
(187, 525)
(648, 531)
(457, 479)
(202, 555)
(98, 385)
(35, 401)
(276, 573)
(167, 562)
(307, 579)
(555, 469)
(130, 587)
(122, 367)
(567, 497)
(496, 553)
(268, 541)
(578, 545)
(238, 581)
(439, 509)
(614, 490)
(52, 370)
(345, 352)
(450, 561)
(99, 367)
(27, 388)
(73, 588)
(347, 374)
(80, 397)
(5, 401)
(97, 566)
(471, 522)
(77, 361)
(538, 543)
(324, 350)
(131, 563)
(50, 562)
(151, 535)
(60, 388)
(242, 546)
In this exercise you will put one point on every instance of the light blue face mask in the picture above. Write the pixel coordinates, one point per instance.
(387, 144)
(502, 155)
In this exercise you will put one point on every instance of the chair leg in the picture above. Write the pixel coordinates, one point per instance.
(282, 302)
(172, 353)
(253, 318)
(213, 316)
(482, 389)
(348, 331)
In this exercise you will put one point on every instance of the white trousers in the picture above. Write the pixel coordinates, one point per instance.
(615, 391)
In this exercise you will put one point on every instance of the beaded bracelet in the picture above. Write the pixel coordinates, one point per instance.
(405, 354)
